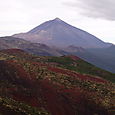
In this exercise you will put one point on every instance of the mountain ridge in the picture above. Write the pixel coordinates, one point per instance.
(10, 42)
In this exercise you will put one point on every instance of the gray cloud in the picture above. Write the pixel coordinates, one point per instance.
(104, 9)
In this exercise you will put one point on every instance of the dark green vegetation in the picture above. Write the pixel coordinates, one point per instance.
(82, 67)
(42, 85)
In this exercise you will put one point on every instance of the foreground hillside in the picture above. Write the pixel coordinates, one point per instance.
(42, 85)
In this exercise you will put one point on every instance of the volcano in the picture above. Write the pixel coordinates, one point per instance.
(60, 34)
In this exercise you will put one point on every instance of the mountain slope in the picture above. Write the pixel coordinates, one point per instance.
(60, 34)
(66, 85)
(101, 57)
(34, 48)
(107, 55)
(106, 52)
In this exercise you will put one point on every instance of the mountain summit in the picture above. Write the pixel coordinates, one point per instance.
(58, 33)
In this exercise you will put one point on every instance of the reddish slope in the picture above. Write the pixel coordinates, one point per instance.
(52, 94)
(77, 75)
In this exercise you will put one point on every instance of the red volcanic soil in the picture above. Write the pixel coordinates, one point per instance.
(59, 101)
(30, 99)
(15, 73)
(54, 98)
(20, 71)
(72, 74)
(77, 75)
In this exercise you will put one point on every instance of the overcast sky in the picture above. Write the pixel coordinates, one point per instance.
(94, 16)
